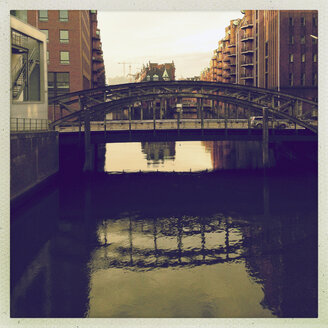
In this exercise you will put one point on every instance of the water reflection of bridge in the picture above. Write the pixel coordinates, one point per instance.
(158, 243)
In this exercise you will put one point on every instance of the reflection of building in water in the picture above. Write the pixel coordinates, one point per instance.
(289, 284)
(158, 151)
(236, 154)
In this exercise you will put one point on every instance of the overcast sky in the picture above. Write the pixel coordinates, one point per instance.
(187, 38)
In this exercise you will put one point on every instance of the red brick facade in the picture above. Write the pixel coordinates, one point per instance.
(269, 49)
(85, 65)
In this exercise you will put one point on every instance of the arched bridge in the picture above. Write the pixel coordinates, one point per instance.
(181, 110)
(200, 101)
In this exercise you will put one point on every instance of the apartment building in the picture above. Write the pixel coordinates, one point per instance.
(74, 53)
(270, 49)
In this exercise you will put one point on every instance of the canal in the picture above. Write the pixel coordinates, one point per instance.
(171, 230)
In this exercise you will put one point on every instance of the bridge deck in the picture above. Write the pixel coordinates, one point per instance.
(189, 130)
(167, 124)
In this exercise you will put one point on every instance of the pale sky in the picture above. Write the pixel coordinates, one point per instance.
(187, 38)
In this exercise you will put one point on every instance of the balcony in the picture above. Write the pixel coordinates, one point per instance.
(97, 59)
(232, 53)
(247, 62)
(247, 24)
(96, 35)
(231, 45)
(226, 67)
(226, 59)
(233, 62)
(247, 49)
(247, 75)
(248, 36)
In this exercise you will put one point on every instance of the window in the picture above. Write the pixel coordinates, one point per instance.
(303, 58)
(43, 15)
(63, 15)
(291, 39)
(314, 79)
(64, 57)
(302, 21)
(315, 21)
(314, 41)
(48, 60)
(155, 77)
(63, 36)
(291, 21)
(266, 64)
(303, 79)
(46, 32)
(58, 84)
(26, 87)
(314, 58)
(291, 58)
(148, 78)
(291, 79)
(266, 48)
(303, 39)
(21, 14)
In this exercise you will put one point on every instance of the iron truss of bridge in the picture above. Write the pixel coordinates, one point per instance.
(212, 100)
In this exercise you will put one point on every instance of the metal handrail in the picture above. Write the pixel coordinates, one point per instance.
(28, 124)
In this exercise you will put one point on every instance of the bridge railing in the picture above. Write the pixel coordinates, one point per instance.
(28, 124)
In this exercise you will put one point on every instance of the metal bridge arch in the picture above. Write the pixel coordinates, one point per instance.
(96, 102)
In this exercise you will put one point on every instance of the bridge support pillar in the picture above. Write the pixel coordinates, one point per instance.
(265, 139)
(88, 149)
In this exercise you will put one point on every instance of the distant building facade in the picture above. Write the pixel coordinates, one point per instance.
(156, 72)
(74, 53)
(273, 49)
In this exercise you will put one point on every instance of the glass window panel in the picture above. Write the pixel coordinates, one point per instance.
(43, 15)
(63, 15)
(64, 57)
(63, 36)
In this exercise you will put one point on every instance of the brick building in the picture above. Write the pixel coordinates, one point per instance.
(74, 52)
(270, 49)
(156, 72)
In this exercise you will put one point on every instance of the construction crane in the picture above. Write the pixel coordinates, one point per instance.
(124, 63)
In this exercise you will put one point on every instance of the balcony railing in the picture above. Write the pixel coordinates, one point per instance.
(247, 75)
(247, 24)
(232, 53)
(247, 48)
(28, 124)
(247, 62)
(247, 36)
(226, 67)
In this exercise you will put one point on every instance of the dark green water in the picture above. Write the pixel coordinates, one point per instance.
(228, 243)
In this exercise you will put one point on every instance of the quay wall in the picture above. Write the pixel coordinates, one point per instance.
(34, 157)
